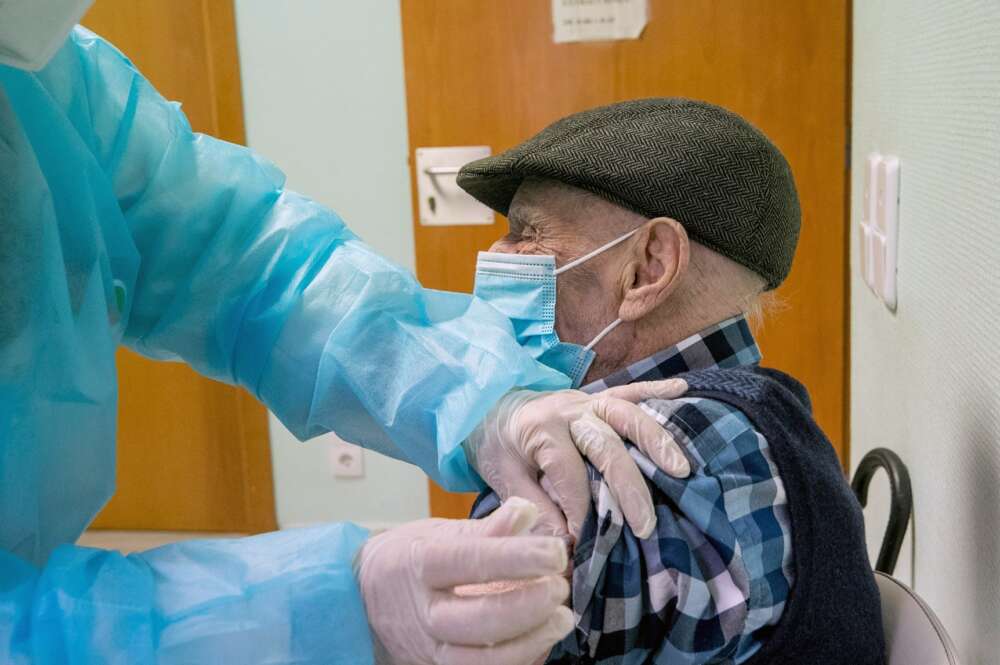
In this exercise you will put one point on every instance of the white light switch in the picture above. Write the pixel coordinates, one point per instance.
(870, 199)
(867, 257)
(888, 226)
(442, 201)
(879, 232)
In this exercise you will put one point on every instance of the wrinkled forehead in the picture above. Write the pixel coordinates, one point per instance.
(549, 203)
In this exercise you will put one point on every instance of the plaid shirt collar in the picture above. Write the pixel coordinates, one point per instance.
(724, 345)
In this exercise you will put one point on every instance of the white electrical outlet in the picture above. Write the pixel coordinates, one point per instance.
(347, 460)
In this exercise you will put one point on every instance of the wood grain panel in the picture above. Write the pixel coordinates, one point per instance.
(193, 454)
(488, 73)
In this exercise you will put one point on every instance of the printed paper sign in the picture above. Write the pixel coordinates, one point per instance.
(595, 20)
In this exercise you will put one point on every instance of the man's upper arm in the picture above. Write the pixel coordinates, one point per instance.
(738, 459)
(741, 547)
(719, 565)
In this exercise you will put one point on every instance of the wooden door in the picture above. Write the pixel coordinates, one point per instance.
(193, 454)
(488, 73)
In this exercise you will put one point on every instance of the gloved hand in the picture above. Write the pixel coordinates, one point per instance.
(408, 574)
(529, 433)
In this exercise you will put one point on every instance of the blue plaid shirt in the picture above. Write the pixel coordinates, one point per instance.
(712, 581)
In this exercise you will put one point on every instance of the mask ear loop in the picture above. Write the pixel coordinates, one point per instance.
(603, 248)
(601, 335)
(586, 257)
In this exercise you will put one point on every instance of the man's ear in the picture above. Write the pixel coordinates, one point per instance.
(659, 261)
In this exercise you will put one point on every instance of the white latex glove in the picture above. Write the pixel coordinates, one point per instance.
(528, 434)
(408, 577)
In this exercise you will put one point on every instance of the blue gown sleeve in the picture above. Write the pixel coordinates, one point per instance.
(256, 285)
(287, 597)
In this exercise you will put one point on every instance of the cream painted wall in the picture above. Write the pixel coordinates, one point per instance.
(323, 97)
(925, 381)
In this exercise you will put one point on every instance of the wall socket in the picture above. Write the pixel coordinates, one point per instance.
(346, 459)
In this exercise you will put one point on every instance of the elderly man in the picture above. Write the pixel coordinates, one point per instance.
(665, 221)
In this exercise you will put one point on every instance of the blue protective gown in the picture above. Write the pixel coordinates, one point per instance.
(121, 225)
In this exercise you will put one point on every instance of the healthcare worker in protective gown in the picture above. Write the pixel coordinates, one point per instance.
(120, 225)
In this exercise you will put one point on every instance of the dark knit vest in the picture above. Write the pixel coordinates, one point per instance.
(833, 614)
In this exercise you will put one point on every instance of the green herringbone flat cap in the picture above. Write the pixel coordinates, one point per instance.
(697, 163)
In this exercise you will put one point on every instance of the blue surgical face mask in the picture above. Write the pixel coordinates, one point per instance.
(523, 287)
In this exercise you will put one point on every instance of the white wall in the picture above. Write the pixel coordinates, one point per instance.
(926, 381)
(323, 97)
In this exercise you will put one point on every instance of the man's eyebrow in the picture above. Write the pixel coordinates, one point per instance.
(518, 219)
